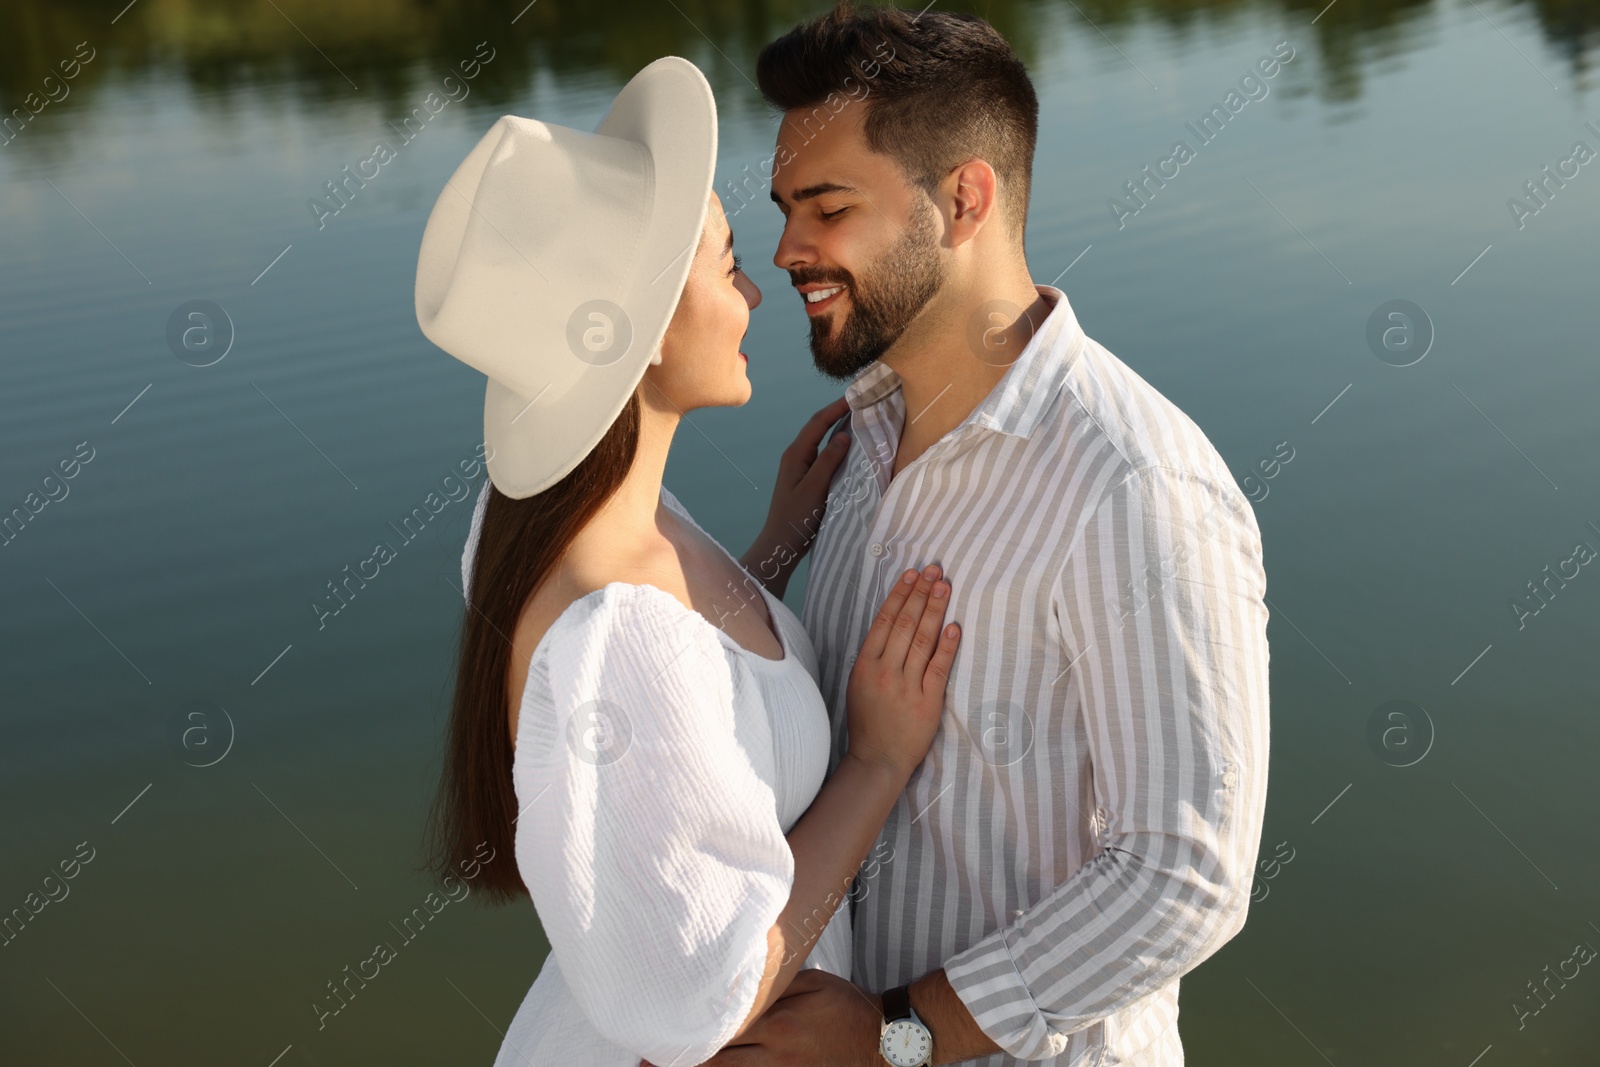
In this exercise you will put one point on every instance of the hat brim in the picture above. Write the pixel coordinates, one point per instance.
(535, 442)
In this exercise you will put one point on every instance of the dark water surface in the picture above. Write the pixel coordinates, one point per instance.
(1420, 875)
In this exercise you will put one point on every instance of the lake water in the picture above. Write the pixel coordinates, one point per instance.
(1431, 853)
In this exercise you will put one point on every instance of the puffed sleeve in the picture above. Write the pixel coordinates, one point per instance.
(650, 842)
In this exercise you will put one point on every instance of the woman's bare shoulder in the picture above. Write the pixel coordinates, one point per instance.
(576, 579)
(582, 574)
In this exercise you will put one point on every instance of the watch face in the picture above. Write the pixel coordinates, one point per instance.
(906, 1044)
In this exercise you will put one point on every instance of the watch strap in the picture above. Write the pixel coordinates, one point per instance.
(896, 1003)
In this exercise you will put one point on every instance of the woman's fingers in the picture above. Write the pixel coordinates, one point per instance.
(810, 435)
(826, 462)
(925, 641)
(904, 629)
(878, 633)
(937, 675)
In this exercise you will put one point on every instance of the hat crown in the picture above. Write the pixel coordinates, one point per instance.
(553, 223)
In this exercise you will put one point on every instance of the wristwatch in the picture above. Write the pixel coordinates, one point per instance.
(905, 1041)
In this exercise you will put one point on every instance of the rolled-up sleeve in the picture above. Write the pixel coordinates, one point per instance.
(652, 850)
(1161, 604)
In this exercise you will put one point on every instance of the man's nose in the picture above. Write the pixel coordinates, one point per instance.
(792, 251)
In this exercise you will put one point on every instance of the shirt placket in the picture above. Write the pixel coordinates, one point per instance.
(877, 551)
(882, 545)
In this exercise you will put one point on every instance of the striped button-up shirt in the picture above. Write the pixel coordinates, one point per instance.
(1084, 829)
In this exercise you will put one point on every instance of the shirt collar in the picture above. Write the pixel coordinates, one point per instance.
(1019, 400)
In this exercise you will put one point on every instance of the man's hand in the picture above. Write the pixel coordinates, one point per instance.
(822, 1020)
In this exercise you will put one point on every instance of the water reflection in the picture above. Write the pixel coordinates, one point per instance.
(316, 56)
(1414, 534)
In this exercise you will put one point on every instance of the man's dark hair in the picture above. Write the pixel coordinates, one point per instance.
(939, 88)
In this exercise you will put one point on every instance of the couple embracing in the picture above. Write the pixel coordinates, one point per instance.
(1001, 783)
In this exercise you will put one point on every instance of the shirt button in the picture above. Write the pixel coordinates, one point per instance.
(876, 548)
(1228, 779)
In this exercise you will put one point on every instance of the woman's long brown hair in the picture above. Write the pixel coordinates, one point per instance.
(471, 821)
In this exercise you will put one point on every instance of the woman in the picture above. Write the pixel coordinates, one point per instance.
(658, 775)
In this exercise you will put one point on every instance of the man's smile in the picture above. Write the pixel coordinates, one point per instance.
(819, 297)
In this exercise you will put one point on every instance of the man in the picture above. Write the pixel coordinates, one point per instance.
(1084, 829)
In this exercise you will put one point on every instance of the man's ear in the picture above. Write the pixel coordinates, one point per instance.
(975, 193)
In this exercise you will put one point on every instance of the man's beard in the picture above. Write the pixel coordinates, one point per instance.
(883, 301)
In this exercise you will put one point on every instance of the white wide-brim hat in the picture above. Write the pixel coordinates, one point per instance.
(554, 259)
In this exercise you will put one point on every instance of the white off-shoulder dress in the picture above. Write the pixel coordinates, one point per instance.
(658, 766)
